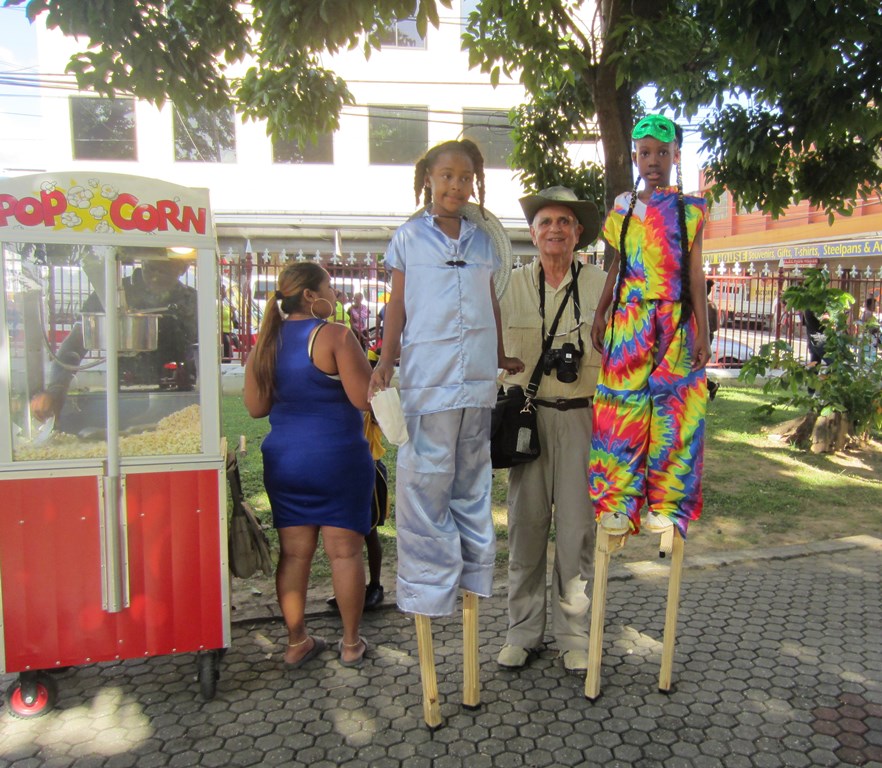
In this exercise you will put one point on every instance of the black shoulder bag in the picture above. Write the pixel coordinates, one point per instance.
(514, 437)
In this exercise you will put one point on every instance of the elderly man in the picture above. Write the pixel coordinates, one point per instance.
(555, 486)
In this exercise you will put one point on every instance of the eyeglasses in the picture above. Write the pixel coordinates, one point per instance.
(657, 126)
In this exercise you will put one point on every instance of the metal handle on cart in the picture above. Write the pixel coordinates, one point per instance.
(114, 545)
(114, 549)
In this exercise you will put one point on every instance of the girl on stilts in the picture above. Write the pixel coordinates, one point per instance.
(648, 439)
(443, 318)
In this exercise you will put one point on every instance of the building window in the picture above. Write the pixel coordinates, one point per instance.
(203, 136)
(402, 33)
(397, 135)
(490, 130)
(103, 129)
(290, 151)
(466, 8)
(719, 210)
(746, 210)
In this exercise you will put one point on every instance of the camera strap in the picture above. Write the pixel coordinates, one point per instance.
(573, 288)
(548, 338)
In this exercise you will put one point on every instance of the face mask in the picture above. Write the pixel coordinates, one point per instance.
(657, 126)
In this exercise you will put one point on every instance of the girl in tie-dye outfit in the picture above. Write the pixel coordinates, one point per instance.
(649, 408)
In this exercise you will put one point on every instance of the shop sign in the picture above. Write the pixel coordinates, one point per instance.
(804, 254)
(102, 207)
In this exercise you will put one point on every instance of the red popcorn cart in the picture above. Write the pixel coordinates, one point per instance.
(113, 530)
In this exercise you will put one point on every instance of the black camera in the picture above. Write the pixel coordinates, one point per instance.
(565, 360)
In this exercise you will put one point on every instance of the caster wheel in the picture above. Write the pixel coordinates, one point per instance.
(32, 695)
(208, 673)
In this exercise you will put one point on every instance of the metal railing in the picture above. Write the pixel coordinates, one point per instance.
(751, 312)
(750, 309)
(251, 285)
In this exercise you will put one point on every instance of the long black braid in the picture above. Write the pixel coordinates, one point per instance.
(623, 261)
(427, 162)
(685, 272)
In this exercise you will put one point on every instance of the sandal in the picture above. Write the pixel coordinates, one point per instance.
(359, 660)
(318, 645)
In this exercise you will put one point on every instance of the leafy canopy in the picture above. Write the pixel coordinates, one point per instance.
(185, 51)
(789, 91)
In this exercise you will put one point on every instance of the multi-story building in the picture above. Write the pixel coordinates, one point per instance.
(346, 193)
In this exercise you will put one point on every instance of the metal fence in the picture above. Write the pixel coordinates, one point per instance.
(750, 310)
(251, 285)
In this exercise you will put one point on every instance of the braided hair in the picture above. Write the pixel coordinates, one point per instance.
(685, 272)
(623, 261)
(427, 162)
(685, 297)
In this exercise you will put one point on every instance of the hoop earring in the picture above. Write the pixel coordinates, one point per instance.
(312, 306)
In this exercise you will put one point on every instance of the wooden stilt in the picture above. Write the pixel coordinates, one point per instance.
(673, 606)
(471, 692)
(605, 545)
(666, 545)
(431, 707)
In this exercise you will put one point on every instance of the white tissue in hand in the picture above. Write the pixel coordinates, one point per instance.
(387, 408)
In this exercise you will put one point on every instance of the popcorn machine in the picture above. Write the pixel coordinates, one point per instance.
(112, 467)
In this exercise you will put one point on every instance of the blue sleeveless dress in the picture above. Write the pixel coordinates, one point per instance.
(317, 467)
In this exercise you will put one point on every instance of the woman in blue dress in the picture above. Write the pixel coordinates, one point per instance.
(311, 378)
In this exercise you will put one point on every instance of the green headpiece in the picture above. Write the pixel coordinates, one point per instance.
(657, 126)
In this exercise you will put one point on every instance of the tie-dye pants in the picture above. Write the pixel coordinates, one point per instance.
(648, 438)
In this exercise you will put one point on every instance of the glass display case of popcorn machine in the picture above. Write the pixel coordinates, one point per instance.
(113, 526)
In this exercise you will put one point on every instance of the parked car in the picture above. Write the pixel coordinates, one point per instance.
(729, 353)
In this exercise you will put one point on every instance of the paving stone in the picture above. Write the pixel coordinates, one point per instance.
(765, 675)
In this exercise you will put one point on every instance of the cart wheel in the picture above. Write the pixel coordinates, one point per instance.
(32, 695)
(209, 673)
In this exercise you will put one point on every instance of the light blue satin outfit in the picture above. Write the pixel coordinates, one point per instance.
(448, 385)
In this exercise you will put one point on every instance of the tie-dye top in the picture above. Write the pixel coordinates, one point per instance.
(652, 242)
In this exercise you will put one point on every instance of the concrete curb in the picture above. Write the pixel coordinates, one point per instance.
(621, 572)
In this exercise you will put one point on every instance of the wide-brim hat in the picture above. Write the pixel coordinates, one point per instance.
(584, 210)
(498, 237)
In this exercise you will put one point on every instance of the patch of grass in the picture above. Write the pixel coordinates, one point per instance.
(758, 491)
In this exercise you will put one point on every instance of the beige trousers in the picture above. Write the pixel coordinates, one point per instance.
(554, 488)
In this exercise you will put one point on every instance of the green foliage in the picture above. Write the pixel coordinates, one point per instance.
(155, 50)
(800, 109)
(810, 79)
(847, 381)
(541, 131)
(182, 51)
(792, 89)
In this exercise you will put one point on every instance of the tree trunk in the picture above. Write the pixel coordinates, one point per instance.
(818, 434)
(831, 433)
(614, 116)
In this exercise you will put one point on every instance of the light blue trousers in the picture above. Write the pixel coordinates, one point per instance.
(442, 511)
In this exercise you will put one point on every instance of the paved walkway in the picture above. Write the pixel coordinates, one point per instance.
(778, 663)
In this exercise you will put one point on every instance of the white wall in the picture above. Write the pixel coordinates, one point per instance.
(437, 77)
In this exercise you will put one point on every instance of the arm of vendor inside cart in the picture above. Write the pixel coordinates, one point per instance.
(64, 364)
